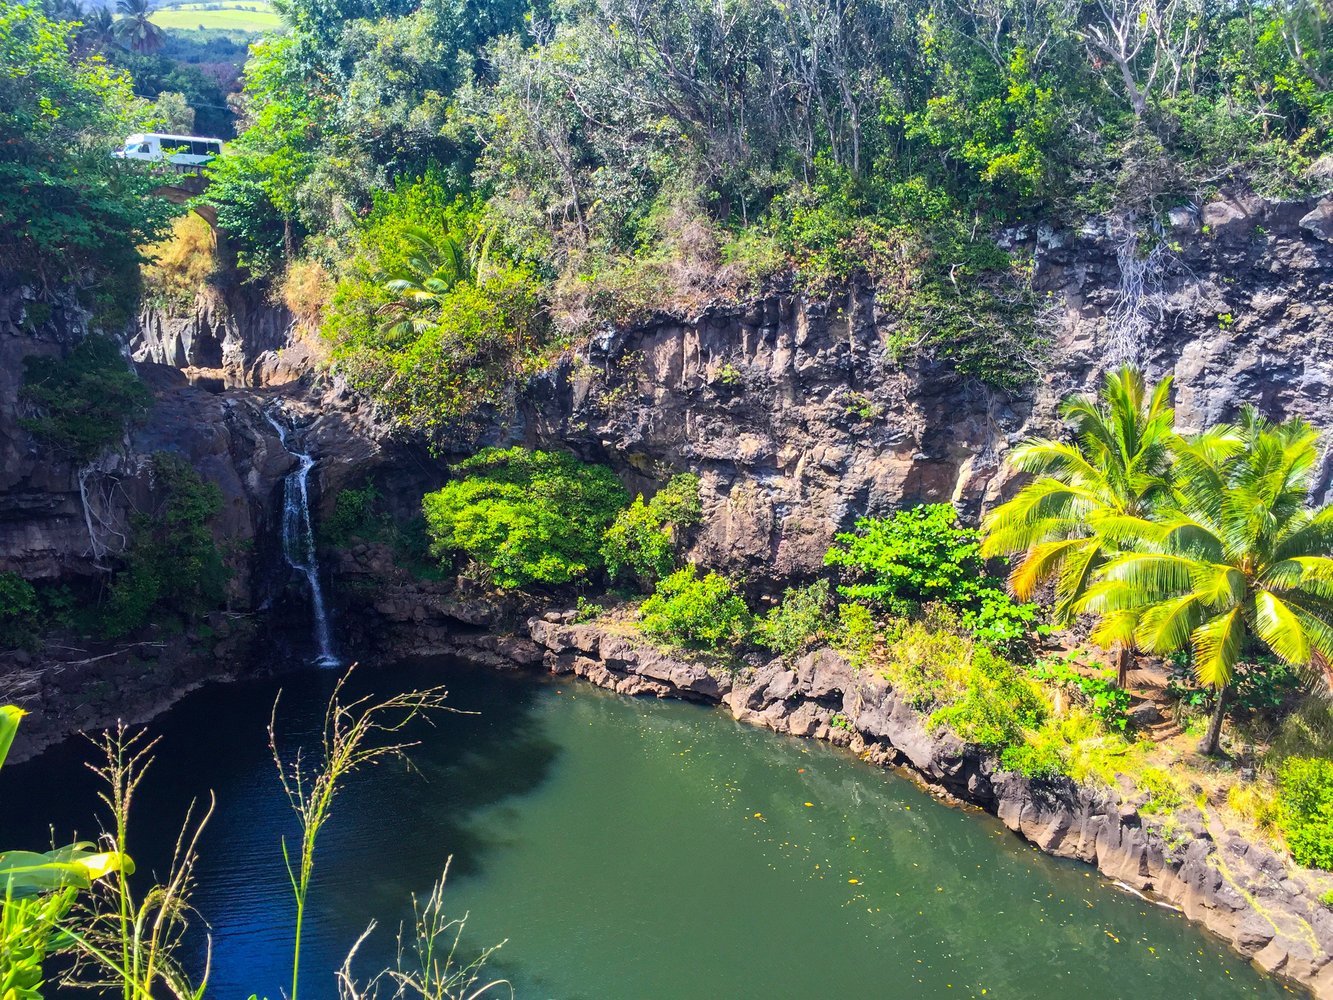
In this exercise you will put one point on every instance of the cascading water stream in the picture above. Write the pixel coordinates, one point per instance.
(298, 541)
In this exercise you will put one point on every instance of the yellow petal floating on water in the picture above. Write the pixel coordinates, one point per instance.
(809, 805)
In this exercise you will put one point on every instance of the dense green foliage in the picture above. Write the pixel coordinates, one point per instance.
(998, 705)
(1107, 701)
(429, 316)
(1306, 785)
(83, 401)
(172, 565)
(643, 540)
(526, 517)
(19, 612)
(355, 515)
(921, 556)
(804, 618)
(697, 612)
(616, 176)
(67, 209)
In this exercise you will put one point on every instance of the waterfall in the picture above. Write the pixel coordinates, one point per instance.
(298, 541)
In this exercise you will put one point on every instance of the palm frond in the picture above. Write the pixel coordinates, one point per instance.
(1279, 627)
(1217, 645)
(1166, 626)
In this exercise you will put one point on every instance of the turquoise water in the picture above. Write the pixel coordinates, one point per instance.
(633, 849)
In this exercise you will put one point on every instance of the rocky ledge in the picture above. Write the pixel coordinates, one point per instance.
(75, 686)
(1266, 908)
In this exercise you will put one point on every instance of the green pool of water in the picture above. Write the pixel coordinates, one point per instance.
(635, 849)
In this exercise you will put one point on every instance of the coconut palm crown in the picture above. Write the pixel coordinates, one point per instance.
(1116, 466)
(135, 28)
(1236, 559)
(438, 263)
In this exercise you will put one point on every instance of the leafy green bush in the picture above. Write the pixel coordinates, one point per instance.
(354, 516)
(527, 516)
(857, 633)
(1306, 792)
(84, 400)
(18, 612)
(1107, 701)
(1163, 795)
(1075, 745)
(172, 565)
(642, 540)
(923, 555)
(804, 618)
(430, 317)
(698, 613)
(998, 705)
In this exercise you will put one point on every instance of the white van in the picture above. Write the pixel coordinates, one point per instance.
(183, 151)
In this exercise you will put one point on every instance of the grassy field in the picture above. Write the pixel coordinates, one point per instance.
(238, 15)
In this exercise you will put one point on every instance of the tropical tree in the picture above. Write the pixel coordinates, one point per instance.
(1116, 466)
(135, 30)
(99, 29)
(438, 263)
(1237, 561)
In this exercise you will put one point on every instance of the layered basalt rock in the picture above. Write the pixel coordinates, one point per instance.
(799, 420)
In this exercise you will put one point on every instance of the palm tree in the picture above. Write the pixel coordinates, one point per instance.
(1116, 467)
(135, 30)
(438, 264)
(64, 10)
(1237, 561)
(99, 29)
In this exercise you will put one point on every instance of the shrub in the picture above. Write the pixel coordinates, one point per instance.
(643, 539)
(998, 705)
(172, 564)
(84, 400)
(1109, 702)
(18, 612)
(804, 618)
(585, 611)
(913, 557)
(856, 633)
(1163, 795)
(526, 516)
(1306, 792)
(179, 266)
(1039, 759)
(1075, 745)
(923, 555)
(354, 516)
(927, 662)
(699, 613)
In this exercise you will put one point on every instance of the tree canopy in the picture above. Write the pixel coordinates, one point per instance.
(65, 204)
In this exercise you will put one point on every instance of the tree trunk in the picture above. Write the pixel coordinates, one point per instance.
(1124, 659)
(1213, 738)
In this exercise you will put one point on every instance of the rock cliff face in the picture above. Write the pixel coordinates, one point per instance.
(234, 340)
(1268, 910)
(799, 422)
(62, 523)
